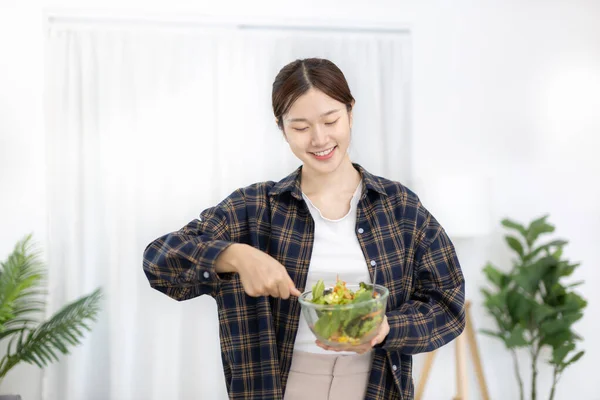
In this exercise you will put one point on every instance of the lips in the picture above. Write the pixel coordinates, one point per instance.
(324, 152)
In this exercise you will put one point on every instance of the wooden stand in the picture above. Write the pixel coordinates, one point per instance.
(461, 363)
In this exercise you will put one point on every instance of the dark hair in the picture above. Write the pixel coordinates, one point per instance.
(299, 76)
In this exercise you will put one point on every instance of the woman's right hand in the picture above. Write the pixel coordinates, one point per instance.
(260, 274)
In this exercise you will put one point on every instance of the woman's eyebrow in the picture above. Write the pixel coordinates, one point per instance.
(305, 120)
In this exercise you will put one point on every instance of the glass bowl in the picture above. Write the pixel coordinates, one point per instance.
(345, 325)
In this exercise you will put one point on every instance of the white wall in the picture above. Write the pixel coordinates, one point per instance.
(509, 88)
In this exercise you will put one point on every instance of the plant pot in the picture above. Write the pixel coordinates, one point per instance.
(10, 397)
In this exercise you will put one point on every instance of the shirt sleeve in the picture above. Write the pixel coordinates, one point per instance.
(435, 313)
(181, 264)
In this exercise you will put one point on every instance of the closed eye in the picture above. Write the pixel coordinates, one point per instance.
(326, 123)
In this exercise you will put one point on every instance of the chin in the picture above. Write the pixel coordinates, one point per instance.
(324, 168)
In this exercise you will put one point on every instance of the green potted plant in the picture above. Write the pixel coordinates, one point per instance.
(533, 306)
(22, 304)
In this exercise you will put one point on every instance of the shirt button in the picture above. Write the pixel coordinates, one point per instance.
(373, 263)
(361, 230)
(206, 275)
(394, 368)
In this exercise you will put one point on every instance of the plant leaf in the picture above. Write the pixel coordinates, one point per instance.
(558, 253)
(515, 226)
(572, 302)
(516, 338)
(574, 359)
(519, 306)
(575, 284)
(497, 300)
(567, 269)
(571, 318)
(515, 244)
(493, 334)
(555, 243)
(39, 345)
(541, 312)
(20, 283)
(495, 276)
(552, 327)
(559, 353)
(537, 228)
(530, 276)
(558, 338)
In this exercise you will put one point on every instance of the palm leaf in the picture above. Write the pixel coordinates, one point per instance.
(21, 280)
(22, 304)
(43, 344)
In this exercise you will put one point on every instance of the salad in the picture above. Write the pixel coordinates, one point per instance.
(350, 323)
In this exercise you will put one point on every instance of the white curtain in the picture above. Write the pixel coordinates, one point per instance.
(147, 127)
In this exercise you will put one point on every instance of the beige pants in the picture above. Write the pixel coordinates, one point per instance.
(328, 377)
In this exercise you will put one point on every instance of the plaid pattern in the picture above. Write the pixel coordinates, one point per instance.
(415, 258)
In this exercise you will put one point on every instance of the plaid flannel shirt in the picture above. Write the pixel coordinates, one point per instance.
(416, 261)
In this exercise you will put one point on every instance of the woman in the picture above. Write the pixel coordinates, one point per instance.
(265, 243)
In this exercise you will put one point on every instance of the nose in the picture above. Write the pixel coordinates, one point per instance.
(319, 136)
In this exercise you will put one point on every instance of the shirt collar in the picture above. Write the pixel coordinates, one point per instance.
(291, 183)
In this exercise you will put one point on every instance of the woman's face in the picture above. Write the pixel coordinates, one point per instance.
(317, 128)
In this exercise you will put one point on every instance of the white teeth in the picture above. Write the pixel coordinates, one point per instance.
(324, 153)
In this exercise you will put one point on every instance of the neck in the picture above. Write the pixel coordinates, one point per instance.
(344, 178)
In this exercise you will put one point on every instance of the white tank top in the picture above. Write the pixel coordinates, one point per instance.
(336, 250)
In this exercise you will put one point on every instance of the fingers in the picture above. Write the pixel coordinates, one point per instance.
(292, 288)
(286, 286)
(324, 346)
(282, 287)
(376, 340)
(383, 331)
(362, 349)
(262, 275)
(272, 289)
(289, 283)
(357, 349)
(284, 290)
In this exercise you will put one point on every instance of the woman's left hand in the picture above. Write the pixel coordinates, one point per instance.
(383, 331)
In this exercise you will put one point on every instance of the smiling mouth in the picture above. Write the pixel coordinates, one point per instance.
(323, 153)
